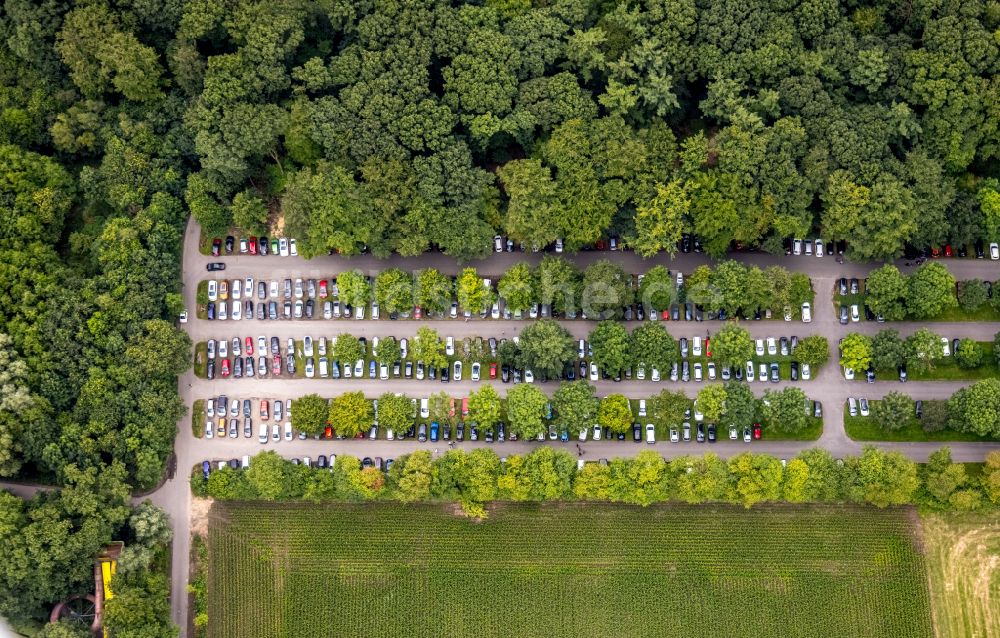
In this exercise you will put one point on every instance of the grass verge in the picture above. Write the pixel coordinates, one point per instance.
(864, 428)
(198, 418)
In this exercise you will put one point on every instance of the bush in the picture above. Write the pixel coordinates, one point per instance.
(968, 355)
(893, 412)
(973, 295)
(935, 416)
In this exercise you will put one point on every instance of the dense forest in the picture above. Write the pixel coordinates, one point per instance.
(400, 126)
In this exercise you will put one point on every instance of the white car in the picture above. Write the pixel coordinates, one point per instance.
(711, 372)
(237, 312)
(248, 287)
(449, 346)
(457, 371)
(855, 313)
(806, 373)
(593, 371)
(945, 347)
(529, 376)
(374, 310)
(275, 432)
(559, 245)
(863, 405)
(288, 431)
(849, 374)
(359, 368)
(762, 373)
(696, 346)
(760, 347)
(750, 372)
(772, 346)
(642, 407)
(650, 433)
(796, 246)
(655, 375)
(495, 311)
(292, 248)
(806, 313)
(819, 247)
(640, 372)
(262, 436)
(272, 290)
(213, 290)
(475, 372)
(994, 251)
(383, 372)
(307, 346)
(583, 434)
(424, 408)
(498, 243)
(208, 429)
(597, 432)
(283, 247)
(697, 371)
(236, 289)
(733, 433)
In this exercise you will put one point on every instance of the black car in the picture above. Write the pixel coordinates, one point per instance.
(870, 373)
(675, 312)
(263, 245)
(367, 463)
(210, 309)
(775, 376)
(275, 345)
(980, 249)
(902, 373)
(212, 266)
(685, 243)
(501, 432)
(310, 307)
(321, 461)
(272, 310)
(817, 409)
(444, 375)
(583, 369)
(795, 370)
(854, 285)
(230, 243)
(919, 408)
(699, 314)
(627, 313)
(640, 313)
(701, 433)
(688, 311)
(954, 346)
(211, 369)
(505, 373)
(843, 286)
(234, 463)
(869, 315)
(460, 432)
(569, 373)
(711, 433)
(843, 315)
(636, 432)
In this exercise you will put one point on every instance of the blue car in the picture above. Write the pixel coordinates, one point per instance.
(434, 431)
(564, 436)
(206, 467)
(371, 369)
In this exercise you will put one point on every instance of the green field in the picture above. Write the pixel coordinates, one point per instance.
(564, 570)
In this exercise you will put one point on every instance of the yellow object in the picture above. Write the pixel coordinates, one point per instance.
(108, 569)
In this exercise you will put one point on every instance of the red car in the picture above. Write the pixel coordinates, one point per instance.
(493, 371)
(416, 312)
(249, 343)
(666, 315)
(708, 350)
(216, 246)
(253, 245)
(264, 414)
(935, 252)
(756, 431)
(947, 250)
(322, 289)
(276, 366)
(225, 368)
(328, 432)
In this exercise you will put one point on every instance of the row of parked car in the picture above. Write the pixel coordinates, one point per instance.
(283, 246)
(248, 361)
(225, 418)
(947, 349)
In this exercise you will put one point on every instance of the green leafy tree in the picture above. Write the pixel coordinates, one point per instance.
(667, 409)
(887, 293)
(354, 288)
(605, 290)
(785, 410)
(434, 290)
(484, 406)
(426, 346)
(812, 350)
(473, 295)
(931, 291)
(741, 404)
(756, 478)
(657, 290)
(546, 347)
(526, 410)
(615, 412)
(856, 351)
(711, 401)
(653, 346)
(347, 348)
(732, 345)
(659, 222)
(893, 411)
(968, 354)
(394, 290)
(575, 404)
(559, 283)
(310, 414)
(973, 295)
(888, 350)
(976, 408)
(611, 346)
(412, 474)
(395, 412)
(250, 213)
(442, 408)
(389, 351)
(350, 413)
(923, 348)
(519, 287)
(883, 478)
(991, 477)
(800, 289)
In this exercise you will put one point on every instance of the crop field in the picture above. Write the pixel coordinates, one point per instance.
(563, 570)
(963, 566)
